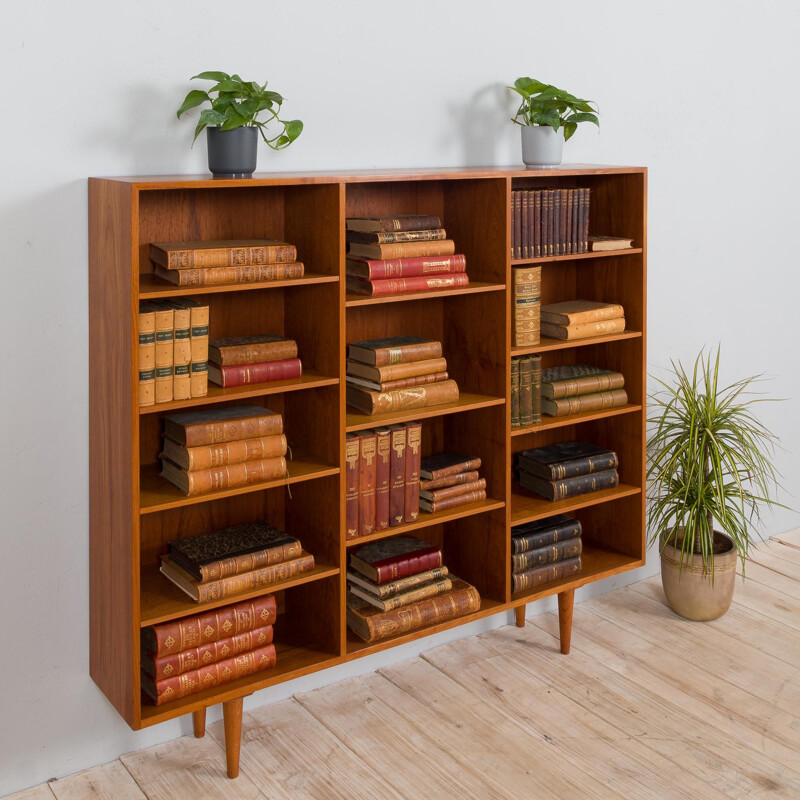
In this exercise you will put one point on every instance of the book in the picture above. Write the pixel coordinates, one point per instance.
(566, 460)
(218, 455)
(199, 629)
(230, 476)
(395, 372)
(208, 676)
(397, 475)
(394, 350)
(399, 222)
(210, 426)
(367, 478)
(391, 237)
(573, 380)
(584, 232)
(381, 269)
(147, 355)
(229, 551)
(549, 554)
(373, 625)
(395, 587)
(211, 591)
(557, 250)
(405, 383)
(421, 592)
(222, 253)
(585, 402)
(199, 320)
(602, 244)
(413, 460)
(578, 312)
(543, 532)
(445, 464)
(432, 394)
(164, 353)
(536, 237)
(352, 455)
(516, 224)
(219, 276)
(538, 576)
(394, 286)
(389, 559)
(441, 247)
(526, 305)
(181, 352)
(449, 480)
(383, 447)
(525, 242)
(536, 389)
(569, 487)
(259, 372)
(569, 242)
(431, 507)
(575, 229)
(435, 495)
(572, 332)
(515, 410)
(231, 351)
(525, 390)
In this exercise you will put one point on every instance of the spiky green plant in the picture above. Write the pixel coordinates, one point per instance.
(709, 461)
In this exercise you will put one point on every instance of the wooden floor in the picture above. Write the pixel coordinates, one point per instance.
(646, 706)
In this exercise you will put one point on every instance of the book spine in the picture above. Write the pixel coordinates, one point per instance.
(397, 475)
(585, 228)
(392, 237)
(570, 227)
(455, 469)
(415, 222)
(403, 399)
(220, 455)
(453, 502)
(404, 584)
(147, 357)
(420, 266)
(182, 354)
(551, 554)
(413, 369)
(217, 276)
(198, 381)
(586, 384)
(522, 543)
(264, 372)
(545, 222)
(231, 430)
(165, 330)
(442, 247)
(234, 475)
(610, 311)
(526, 390)
(536, 389)
(415, 595)
(556, 222)
(352, 483)
(410, 564)
(526, 299)
(553, 220)
(383, 446)
(367, 478)
(435, 495)
(573, 467)
(449, 480)
(236, 565)
(570, 487)
(419, 380)
(423, 351)
(562, 222)
(516, 224)
(393, 286)
(583, 331)
(413, 459)
(515, 415)
(586, 402)
(230, 256)
(526, 214)
(537, 224)
(538, 576)
(234, 355)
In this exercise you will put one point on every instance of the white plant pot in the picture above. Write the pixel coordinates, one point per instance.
(541, 146)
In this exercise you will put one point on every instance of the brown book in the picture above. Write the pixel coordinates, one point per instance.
(537, 224)
(571, 380)
(389, 559)
(570, 332)
(576, 207)
(352, 483)
(536, 389)
(570, 233)
(579, 312)
(395, 286)
(397, 586)
(211, 591)
(218, 276)
(515, 415)
(181, 352)
(390, 386)
(563, 222)
(421, 592)
(526, 305)
(194, 482)
(164, 351)
(449, 480)
(585, 402)
(525, 390)
(199, 319)
(516, 224)
(433, 394)
(373, 625)
(399, 222)
(194, 428)
(443, 465)
(218, 455)
(585, 227)
(147, 355)
(538, 576)
(397, 475)
(435, 495)
(526, 216)
(394, 350)
(235, 350)
(442, 247)
(550, 554)
(413, 460)
(367, 478)
(452, 502)
(421, 266)
(393, 237)
(383, 447)
(556, 222)
(396, 372)
(199, 629)
(603, 244)
(569, 487)
(224, 253)
(547, 240)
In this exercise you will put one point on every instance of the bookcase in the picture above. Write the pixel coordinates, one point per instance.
(134, 512)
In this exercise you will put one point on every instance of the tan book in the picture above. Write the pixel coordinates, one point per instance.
(602, 244)
(405, 383)
(220, 276)
(450, 480)
(432, 507)
(165, 330)
(199, 325)
(193, 482)
(393, 350)
(396, 372)
(441, 247)
(236, 350)
(220, 455)
(182, 352)
(526, 306)
(585, 402)
(221, 253)
(578, 312)
(584, 330)
(437, 495)
(396, 586)
(147, 356)
(213, 425)
(570, 380)
(433, 394)
(422, 592)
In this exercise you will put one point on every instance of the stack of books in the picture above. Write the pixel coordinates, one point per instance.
(186, 656)
(573, 388)
(526, 395)
(545, 550)
(227, 562)
(580, 319)
(400, 585)
(173, 351)
(242, 360)
(222, 262)
(405, 253)
(382, 478)
(526, 305)
(605, 244)
(223, 448)
(450, 480)
(567, 469)
(396, 374)
(549, 222)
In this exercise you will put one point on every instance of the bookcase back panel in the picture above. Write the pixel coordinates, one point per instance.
(313, 224)
(617, 206)
(314, 319)
(414, 318)
(474, 550)
(311, 615)
(311, 513)
(616, 525)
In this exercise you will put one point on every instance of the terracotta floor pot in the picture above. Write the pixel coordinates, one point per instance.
(690, 591)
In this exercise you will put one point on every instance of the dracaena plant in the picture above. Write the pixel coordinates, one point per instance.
(710, 461)
(238, 103)
(544, 104)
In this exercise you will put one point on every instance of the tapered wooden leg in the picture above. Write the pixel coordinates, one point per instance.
(519, 611)
(199, 722)
(566, 601)
(232, 717)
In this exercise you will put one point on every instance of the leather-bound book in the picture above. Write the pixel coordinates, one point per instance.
(431, 507)
(396, 372)
(147, 355)
(572, 380)
(218, 455)
(436, 495)
(537, 224)
(515, 415)
(544, 532)
(231, 476)
(165, 329)
(578, 312)
(230, 351)
(557, 222)
(199, 319)
(549, 554)
(389, 559)
(367, 480)
(405, 383)
(562, 221)
(526, 216)
(441, 247)
(260, 372)
(421, 592)
(587, 193)
(219, 276)
(570, 229)
(352, 452)
(444, 464)
(399, 222)
(181, 352)
(194, 428)
(538, 576)
(394, 350)
(383, 449)
(605, 244)
(525, 390)
(229, 551)
(569, 487)
(397, 475)
(373, 625)
(516, 224)
(584, 331)
(395, 587)
(586, 402)
(394, 286)
(394, 237)
(413, 460)
(566, 460)
(536, 389)
(449, 480)
(222, 253)
(211, 626)
(432, 394)
(421, 266)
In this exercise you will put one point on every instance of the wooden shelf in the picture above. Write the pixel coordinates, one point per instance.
(527, 508)
(547, 345)
(628, 251)
(549, 423)
(158, 494)
(475, 287)
(152, 287)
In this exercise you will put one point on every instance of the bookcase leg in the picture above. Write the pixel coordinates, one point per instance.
(232, 717)
(566, 601)
(199, 722)
(519, 612)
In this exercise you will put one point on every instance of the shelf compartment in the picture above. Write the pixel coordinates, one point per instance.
(152, 287)
(158, 494)
(548, 423)
(576, 256)
(353, 299)
(547, 344)
(527, 508)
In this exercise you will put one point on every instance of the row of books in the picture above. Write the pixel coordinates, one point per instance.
(526, 306)
(400, 585)
(526, 396)
(581, 319)
(173, 350)
(220, 262)
(549, 222)
(544, 551)
(244, 360)
(401, 254)
(450, 480)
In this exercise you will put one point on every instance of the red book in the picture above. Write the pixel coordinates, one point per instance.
(383, 446)
(352, 460)
(413, 459)
(397, 475)
(377, 269)
(393, 286)
(259, 372)
(390, 559)
(366, 483)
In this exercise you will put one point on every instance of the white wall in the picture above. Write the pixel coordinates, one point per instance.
(701, 92)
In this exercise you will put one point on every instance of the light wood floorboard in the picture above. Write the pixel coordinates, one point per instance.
(791, 539)
(109, 782)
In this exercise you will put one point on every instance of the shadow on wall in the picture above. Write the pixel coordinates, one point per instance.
(481, 126)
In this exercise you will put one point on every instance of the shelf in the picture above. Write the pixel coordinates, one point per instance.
(527, 508)
(161, 600)
(426, 520)
(547, 345)
(311, 379)
(548, 423)
(158, 494)
(152, 287)
(628, 251)
(467, 401)
(353, 299)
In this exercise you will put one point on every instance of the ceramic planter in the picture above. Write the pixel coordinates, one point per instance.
(541, 146)
(234, 153)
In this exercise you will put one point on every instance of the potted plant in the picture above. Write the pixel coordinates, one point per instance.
(233, 124)
(709, 472)
(543, 111)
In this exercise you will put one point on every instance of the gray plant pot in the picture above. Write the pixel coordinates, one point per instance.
(232, 154)
(541, 146)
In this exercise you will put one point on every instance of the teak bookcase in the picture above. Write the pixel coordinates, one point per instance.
(134, 512)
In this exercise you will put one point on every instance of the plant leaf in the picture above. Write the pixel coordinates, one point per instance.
(211, 76)
(569, 128)
(195, 98)
(583, 117)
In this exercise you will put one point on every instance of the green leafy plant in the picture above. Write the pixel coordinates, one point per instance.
(544, 104)
(709, 461)
(238, 104)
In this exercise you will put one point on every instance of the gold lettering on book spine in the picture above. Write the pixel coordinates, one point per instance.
(395, 355)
